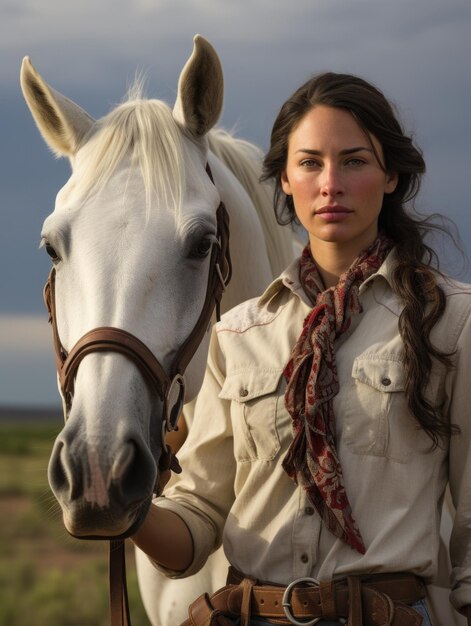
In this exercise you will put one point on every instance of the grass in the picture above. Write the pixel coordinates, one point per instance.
(47, 578)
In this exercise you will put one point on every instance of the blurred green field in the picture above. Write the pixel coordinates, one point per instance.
(47, 578)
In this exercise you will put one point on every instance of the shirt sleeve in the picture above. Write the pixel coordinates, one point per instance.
(460, 470)
(202, 495)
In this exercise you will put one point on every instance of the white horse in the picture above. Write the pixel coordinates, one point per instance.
(130, 239)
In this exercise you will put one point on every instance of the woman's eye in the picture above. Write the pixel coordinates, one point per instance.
(309, 163)
(355, 162)
(51, 252)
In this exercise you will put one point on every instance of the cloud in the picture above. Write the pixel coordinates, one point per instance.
(86, 42)
(27, 372)
(24, 335)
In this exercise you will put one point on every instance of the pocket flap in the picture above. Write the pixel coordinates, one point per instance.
(250, 383)
(386, 375)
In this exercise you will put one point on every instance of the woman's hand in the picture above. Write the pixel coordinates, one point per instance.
(176, 438)
(164, 536)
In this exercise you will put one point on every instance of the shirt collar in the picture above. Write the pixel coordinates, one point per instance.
(289, 279)
(385, 271)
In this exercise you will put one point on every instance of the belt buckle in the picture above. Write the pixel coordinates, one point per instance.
(286, 602)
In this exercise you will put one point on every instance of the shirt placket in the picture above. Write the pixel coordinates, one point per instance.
(306, 533)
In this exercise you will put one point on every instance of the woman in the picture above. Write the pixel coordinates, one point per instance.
(333, 412)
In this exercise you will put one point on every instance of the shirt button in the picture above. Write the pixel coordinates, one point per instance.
(309, 510)
(386, 382)
(243, 393)
(304, 558)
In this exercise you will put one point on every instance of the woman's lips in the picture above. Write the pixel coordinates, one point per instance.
(333, 213)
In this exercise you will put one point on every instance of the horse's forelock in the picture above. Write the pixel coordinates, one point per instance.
(145, 131)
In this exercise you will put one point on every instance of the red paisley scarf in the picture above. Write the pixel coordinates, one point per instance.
(311, 374)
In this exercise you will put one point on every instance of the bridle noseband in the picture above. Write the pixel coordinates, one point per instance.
(170, 386)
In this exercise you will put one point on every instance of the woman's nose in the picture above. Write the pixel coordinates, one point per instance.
(331, 183)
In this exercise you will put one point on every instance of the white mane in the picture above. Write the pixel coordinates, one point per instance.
(244, 159)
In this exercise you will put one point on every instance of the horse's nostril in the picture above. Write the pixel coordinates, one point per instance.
(123, 461)
(57, 476)
(133, 471)
(60, 472)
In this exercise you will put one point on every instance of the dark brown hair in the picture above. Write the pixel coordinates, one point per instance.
(414, 277)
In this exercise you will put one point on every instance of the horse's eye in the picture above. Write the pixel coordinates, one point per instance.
(51, 252)
(202, 248)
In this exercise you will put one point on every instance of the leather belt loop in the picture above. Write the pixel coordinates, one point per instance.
(245, 610)
(327, 597)
(354, 601)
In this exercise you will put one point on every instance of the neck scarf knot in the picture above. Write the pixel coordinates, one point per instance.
(312, 382)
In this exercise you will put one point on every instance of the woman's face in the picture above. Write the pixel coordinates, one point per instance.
(335, 179)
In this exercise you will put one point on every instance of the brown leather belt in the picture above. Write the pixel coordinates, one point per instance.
(372, 600)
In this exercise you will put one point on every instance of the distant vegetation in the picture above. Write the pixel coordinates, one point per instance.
(46, 577)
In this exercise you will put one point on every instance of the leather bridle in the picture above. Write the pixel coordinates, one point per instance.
(169, 385)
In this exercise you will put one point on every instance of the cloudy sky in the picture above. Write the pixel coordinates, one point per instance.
(417, 51)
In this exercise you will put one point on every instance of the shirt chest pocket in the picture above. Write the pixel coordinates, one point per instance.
(376, 418)
(257, 412)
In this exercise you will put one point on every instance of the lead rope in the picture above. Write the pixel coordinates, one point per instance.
(119, 604)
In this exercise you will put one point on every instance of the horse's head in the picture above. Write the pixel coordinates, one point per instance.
(131, 239)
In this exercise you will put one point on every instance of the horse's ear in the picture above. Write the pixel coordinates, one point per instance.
(62, 123)
(200, 89)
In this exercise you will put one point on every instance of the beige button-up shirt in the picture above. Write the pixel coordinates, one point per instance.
(233, 488)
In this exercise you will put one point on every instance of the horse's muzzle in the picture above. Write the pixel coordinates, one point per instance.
(102, 494)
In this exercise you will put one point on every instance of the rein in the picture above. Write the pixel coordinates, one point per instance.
(169, 386)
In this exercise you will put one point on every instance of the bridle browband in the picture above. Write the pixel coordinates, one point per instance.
(169, 386)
